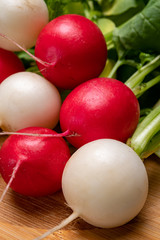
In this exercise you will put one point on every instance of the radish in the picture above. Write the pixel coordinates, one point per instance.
(26, 100)
(9, 64)
(75, 48)
(33, 165)
(105, 183)
(22, 21)
(100, 108)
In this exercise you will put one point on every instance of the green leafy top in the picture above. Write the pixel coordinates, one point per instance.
(140, 32)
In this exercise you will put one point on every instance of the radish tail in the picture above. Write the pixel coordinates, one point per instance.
(10, 181)
(46, 64)
(65, 222)
(67, 133)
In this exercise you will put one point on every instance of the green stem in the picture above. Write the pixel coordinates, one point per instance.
(110, 45)
(109, 41)
(89, 9)
(108, 36)
(116, 66)
(145, 111)
(145, 131)
(152, 147)
(140, 74)
(139, 90)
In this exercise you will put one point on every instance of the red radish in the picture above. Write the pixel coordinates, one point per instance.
(22, 21)
(76, 48)
(9, 64)
(100, 108)
(38, 162)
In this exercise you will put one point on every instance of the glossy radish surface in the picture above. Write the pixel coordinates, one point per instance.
(27, 99)
(105, 183)
(76, 48)
(100, 108)
(22, 21)
(9, 64)
(39, 161)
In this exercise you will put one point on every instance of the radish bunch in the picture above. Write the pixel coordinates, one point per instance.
(104, 181)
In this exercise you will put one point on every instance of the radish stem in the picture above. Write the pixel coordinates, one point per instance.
(152, 147)
(140, 74)
(116, 66)
(146, 130)
(119, 63)
(139, 90)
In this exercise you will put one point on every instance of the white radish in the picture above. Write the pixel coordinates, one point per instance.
(105, 183)
(22, 21)
(27, 99)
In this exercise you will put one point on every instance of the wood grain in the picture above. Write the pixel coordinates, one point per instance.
(24, 218)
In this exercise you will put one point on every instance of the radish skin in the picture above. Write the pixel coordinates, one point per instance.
(22, 21)
(76, 48)
(9, 64)
(105, 183)
(33, 165)
(100, 108)
(27, 99)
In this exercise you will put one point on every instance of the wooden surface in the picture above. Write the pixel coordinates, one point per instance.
(24, 218)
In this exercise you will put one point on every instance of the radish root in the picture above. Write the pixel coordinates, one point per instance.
(46, 64)
(10, 181)
(67, 133)
(65, 222)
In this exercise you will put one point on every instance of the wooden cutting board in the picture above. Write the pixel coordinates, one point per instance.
(24, 218)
